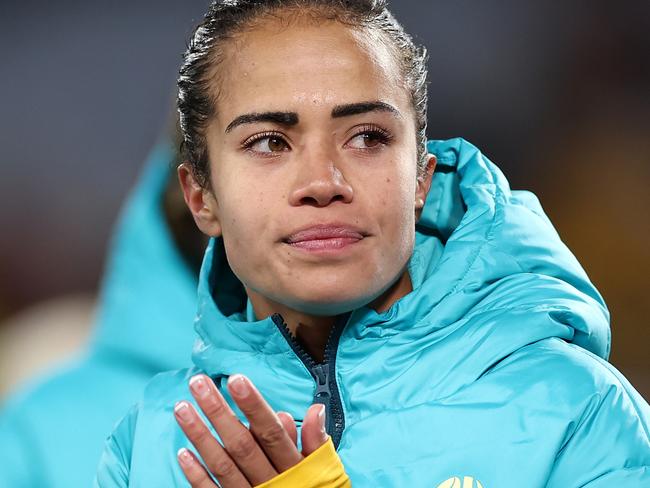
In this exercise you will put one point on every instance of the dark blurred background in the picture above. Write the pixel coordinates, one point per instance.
(556, 93)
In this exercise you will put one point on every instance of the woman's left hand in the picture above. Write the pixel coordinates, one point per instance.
(248, 457)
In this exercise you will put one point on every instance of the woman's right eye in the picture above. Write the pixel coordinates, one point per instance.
(267, 144)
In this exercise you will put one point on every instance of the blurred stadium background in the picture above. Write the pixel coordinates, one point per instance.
(557, 93)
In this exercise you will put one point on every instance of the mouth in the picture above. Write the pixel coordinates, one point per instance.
(325, 238)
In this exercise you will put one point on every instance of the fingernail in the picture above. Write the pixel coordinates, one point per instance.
(321, 419)
(239, 385)
(199, 386)
(182, 409)
(184, 456)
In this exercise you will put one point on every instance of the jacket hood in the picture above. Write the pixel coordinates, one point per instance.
(490, 275)
(148, 295)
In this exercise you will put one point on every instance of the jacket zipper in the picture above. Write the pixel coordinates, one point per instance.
(324, 374)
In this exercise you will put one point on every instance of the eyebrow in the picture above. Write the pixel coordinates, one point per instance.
(291, 118)
(362, 108)
(280, 118)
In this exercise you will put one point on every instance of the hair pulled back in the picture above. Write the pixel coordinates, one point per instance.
(227, 18)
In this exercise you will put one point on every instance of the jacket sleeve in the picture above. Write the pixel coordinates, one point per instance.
(321, 469)
(115, 461)
(609, 444)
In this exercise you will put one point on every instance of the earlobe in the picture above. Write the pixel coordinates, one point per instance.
(200, 201)
(424, 183)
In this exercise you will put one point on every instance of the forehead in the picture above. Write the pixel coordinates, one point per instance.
(274, 66)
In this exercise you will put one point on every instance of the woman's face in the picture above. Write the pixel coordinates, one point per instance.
(313, 166)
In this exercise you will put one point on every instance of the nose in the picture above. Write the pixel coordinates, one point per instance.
(319, 181)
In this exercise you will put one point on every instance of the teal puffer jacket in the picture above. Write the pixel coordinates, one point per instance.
(52, 432)
(492, 373)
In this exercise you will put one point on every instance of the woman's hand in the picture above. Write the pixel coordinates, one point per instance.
(247, 457)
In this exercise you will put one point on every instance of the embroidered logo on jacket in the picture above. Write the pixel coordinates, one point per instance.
(467, 482)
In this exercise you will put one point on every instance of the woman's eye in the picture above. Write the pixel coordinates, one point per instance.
(368, 140)
(268, 144)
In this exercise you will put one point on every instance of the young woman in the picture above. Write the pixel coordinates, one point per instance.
(418, 328)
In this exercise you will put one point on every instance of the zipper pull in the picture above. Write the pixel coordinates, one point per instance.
(323, 393)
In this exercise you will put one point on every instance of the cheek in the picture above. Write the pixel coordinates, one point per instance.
(397, 204)
(243, 219)
(395, 200)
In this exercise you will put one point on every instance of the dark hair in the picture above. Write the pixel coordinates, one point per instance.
(227, 18)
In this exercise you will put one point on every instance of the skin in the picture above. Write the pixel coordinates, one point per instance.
(247, 457)
(270, 179)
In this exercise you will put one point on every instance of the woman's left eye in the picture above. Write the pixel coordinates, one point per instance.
(267, 144)
(369, 139)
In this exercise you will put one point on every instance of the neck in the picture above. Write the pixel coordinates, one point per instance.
(312, 331)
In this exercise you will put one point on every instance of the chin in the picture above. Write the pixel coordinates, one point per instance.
(328, 301)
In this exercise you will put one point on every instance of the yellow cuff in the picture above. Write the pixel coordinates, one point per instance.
(321, 469)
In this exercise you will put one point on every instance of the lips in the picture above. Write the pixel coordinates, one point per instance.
(325, 237)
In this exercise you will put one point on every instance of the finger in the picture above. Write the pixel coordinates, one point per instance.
(264, 424)
(194, 470)
(289, 425)
(213, 454)
(313, 434)
(238, 441)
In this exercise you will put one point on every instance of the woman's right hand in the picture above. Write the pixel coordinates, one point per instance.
(248, 456)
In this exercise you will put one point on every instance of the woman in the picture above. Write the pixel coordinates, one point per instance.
(456, 343)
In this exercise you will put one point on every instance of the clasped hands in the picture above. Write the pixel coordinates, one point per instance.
(248, 456)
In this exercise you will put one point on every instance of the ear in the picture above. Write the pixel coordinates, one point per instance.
(423, 185)
(201, 202)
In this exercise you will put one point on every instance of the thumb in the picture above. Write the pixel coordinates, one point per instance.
(313, 434)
